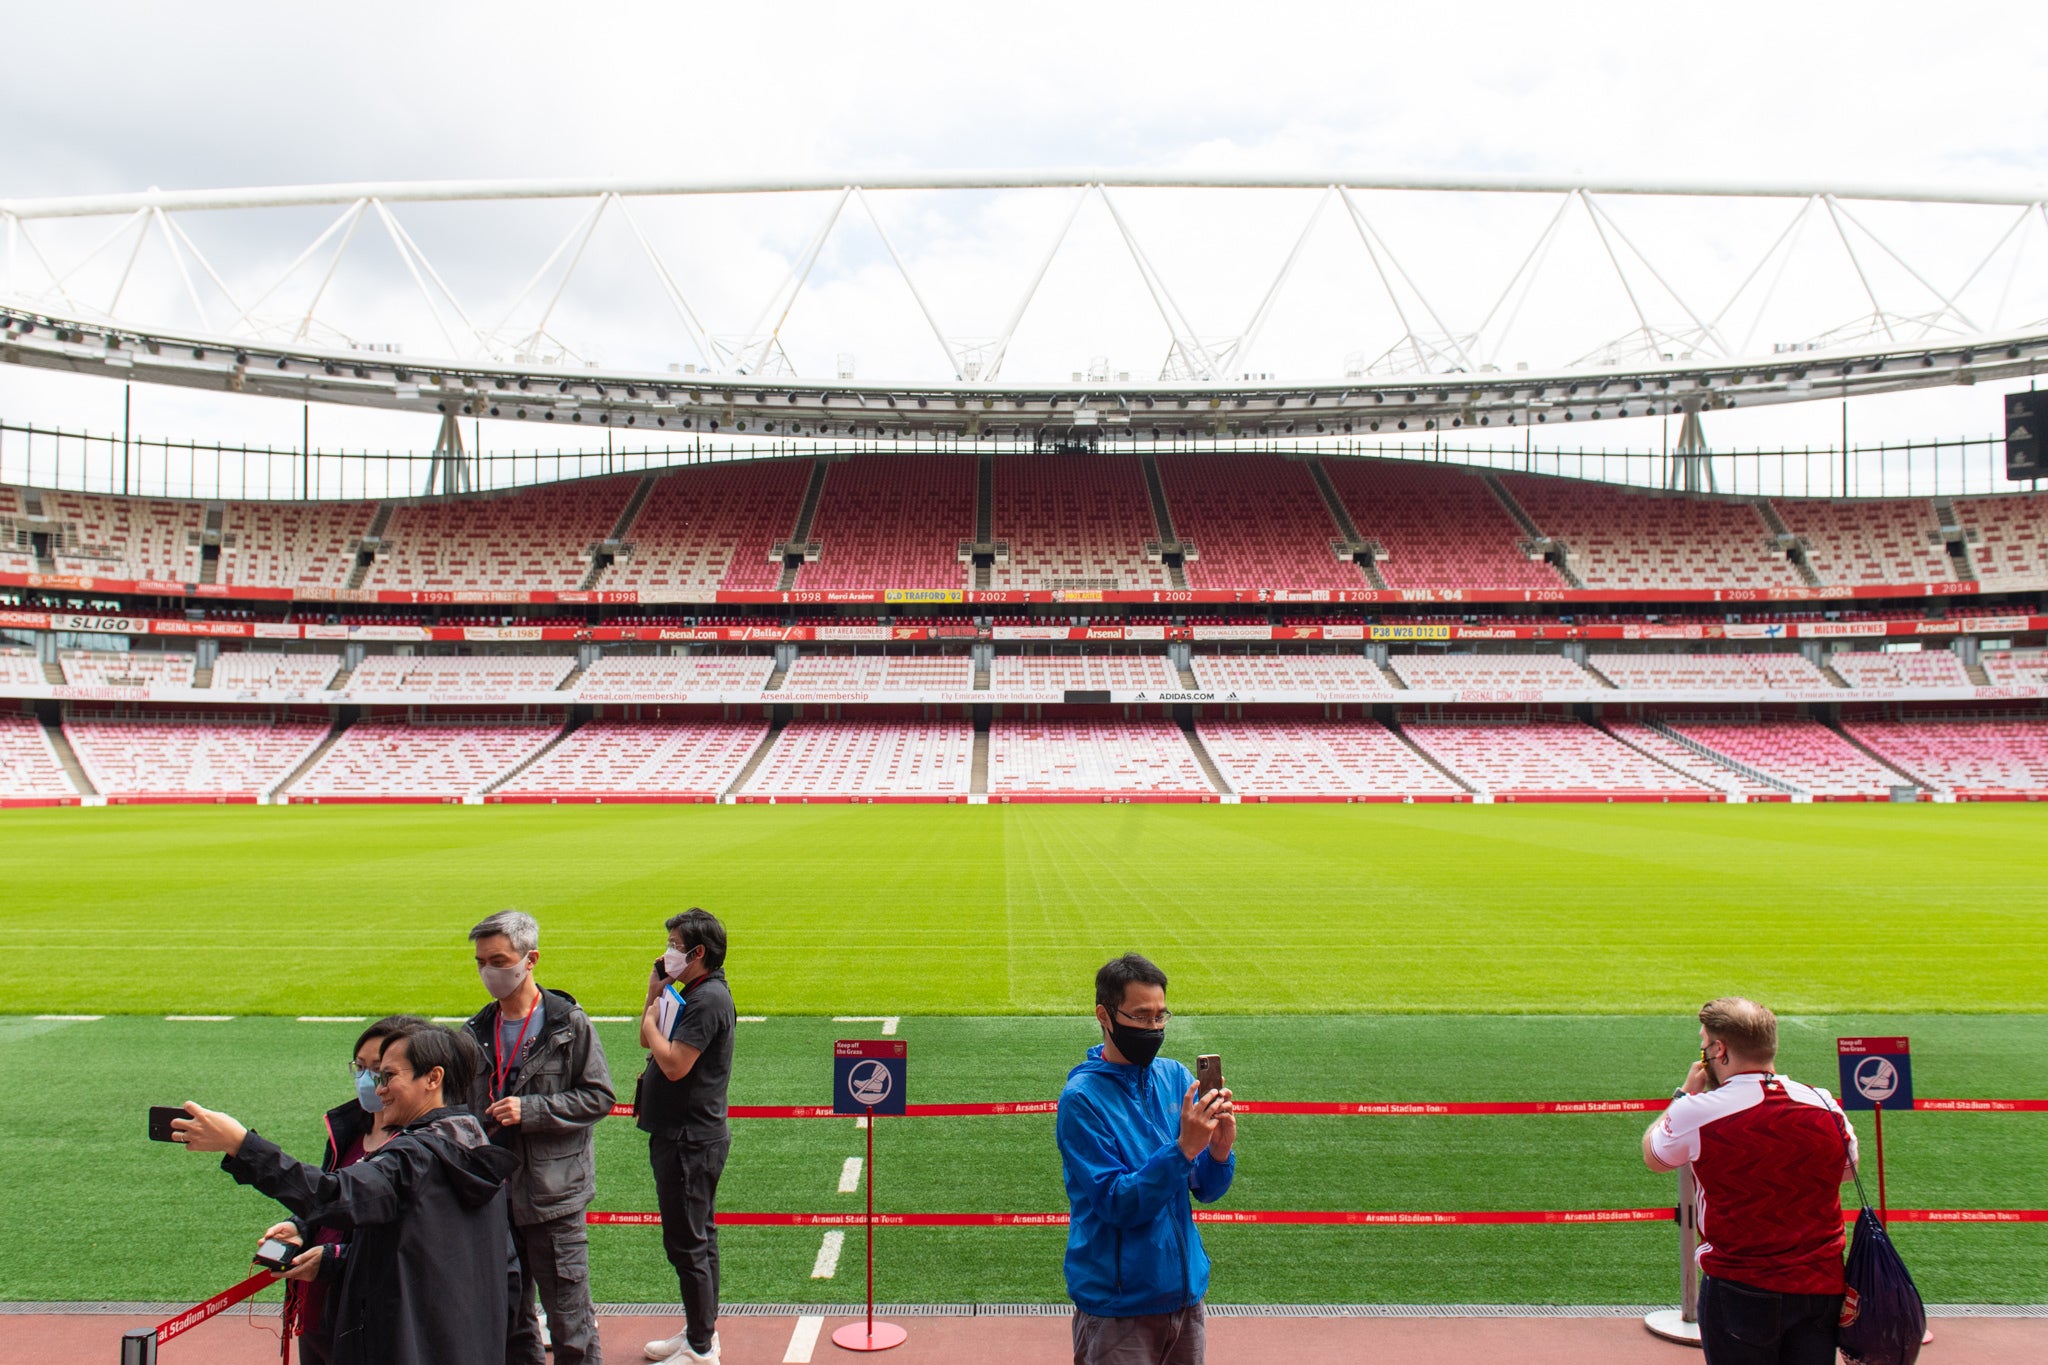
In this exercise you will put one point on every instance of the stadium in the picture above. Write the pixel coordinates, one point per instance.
(286, 720)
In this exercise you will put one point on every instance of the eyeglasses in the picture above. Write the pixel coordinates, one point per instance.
(1149, 1020)
(383, 1079)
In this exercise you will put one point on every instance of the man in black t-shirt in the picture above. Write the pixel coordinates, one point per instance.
(687, 1029)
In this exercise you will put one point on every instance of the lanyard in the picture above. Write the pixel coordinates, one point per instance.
(501, 1067)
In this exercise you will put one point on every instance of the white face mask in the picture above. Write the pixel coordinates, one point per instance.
(674, 960)
(503, 981)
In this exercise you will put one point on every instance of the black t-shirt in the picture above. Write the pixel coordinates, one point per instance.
(693, 1108)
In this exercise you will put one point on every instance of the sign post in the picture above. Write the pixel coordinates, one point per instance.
(868, 1078)
(1682, 1324)
(1876, 1072)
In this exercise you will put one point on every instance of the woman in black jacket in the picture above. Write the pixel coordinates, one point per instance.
(429, 1275)
(354, 1131)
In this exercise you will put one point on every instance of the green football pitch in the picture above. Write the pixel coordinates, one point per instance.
(1330, 953)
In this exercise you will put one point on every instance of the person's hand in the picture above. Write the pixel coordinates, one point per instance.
(1225, 1136)
(306, 1265)
(1696, 1078)
(1198, 1120)
(287, 1233)
(505, 1113)
(208, 1131)
(655, 982)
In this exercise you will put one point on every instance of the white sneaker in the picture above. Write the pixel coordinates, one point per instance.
(675, 1349)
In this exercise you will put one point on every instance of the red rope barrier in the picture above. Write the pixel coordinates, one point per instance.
(184, 1322)
(1341, 1108)
(1343, 1217)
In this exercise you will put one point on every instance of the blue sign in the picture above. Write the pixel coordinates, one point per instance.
(868, 1076)
(1875, 1071)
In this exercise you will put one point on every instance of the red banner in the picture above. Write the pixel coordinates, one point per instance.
(1324, 1217)
(1340, 1108)
(198, 1313)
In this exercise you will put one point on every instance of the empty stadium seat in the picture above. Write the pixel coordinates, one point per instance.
(654, 678)
(2011, 547)
(1327, 673)
(1628, 538)
(1040, 673)
(1735, 785)
(1073, 521)
(400, 760)
(1257, 521)
(29, 770)
(636, 761)
(1084, 759)
(1802, 752)
(1437, 526)
(1470, 672)
(711, 527)
(2015, 667)
(823, 760)
(188, 759)
(1284, 759)
(126, 668)
(131, 538)
(1973, 759)
(1877, 540)
(1910, 668)
(878, 673)
(19, 668)
(1515, 760)
(537, 538)
(292, 544)
(262, 671)
(482, 679)
(893, 521)
(1706, 673)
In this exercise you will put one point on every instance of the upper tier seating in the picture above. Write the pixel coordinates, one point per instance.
(19, 668)
(893, 521)
(29, 770)
(1547, 757)
(613, 759)
(17, 550)
(1437, 526)
(1098, 672)
(1319, 758)
(1289, 673)
(878, 673)
(1912, 668)
(1622, 538)
(1257, 521)
(1710, 672)
(1803, 752)
(2015, 667)
(640, 677)
(1098, 757)
(1660, 746)
(232, 759)
(483, 678)
(1074, 521)
(132, 538)
(126, 668)
(2011, 549)
(1869, 541)
(712, 527)
(1965, 757)
(839, 759)
(534, 539)
(259, 670)
(1463, 672)
(395, 760)
(292, 544)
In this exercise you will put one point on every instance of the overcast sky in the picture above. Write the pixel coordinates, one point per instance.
(121, 97)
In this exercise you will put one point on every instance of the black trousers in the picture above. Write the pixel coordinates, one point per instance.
(1743, 1325)
(686, 1190)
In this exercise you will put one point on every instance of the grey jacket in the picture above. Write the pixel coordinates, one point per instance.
(564, 1089)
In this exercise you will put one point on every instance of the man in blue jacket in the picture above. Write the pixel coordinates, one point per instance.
(1135, 1141)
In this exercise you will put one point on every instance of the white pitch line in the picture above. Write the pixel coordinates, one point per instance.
(757, 1019)
(803, 1341)
(887, 1021)
(613, 1018)
(332, 1018)
(449, 1019)
(827, 1264)
(197, 1018)
(860, 1123)
(69, 1018)
(849, 1174)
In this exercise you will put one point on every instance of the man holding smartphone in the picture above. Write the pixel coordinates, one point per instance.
(687, 1028)
(1138, 1138)
(1770, 1155)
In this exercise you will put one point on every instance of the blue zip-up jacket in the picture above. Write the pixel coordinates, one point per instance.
(1132, 1247)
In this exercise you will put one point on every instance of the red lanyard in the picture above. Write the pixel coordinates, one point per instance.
(501, 1067)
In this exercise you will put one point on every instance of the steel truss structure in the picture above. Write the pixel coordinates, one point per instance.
(1669, 356)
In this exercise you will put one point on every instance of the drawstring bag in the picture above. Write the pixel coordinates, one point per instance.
(1883, 1319)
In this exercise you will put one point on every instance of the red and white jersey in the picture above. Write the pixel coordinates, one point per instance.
(1768, 1154)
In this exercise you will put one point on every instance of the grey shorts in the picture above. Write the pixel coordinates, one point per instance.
(1175, 1338)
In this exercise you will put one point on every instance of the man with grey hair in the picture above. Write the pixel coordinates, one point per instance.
(541, 1095)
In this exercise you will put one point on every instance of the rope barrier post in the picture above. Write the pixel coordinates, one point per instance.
(1682, 1324)
(138, 1346)
(877, 1336)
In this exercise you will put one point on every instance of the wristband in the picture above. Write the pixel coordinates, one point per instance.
(1679, 1093)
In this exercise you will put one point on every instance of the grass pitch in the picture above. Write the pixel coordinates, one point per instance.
(1009, 910)
(1328, 952)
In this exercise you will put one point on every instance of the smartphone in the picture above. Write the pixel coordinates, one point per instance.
(160, 1116)
(1208, 1073)
(276, 1255)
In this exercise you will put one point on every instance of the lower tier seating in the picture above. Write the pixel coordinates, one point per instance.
(1968, 758)
(397, 760)
(237, 760)
(1803, 752)
(636, 761)
(1284, 759)
(29, 770)
(823, 760)
(1550, 759)
(1734, 785)
(1089, 758)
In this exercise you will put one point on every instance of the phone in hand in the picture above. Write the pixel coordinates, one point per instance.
(160, 1116)
(1208, 1073)
(276, 1255)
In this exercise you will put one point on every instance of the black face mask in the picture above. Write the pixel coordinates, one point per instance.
(1139, 1045)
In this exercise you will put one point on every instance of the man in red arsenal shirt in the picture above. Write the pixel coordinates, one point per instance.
(1770, 1155)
